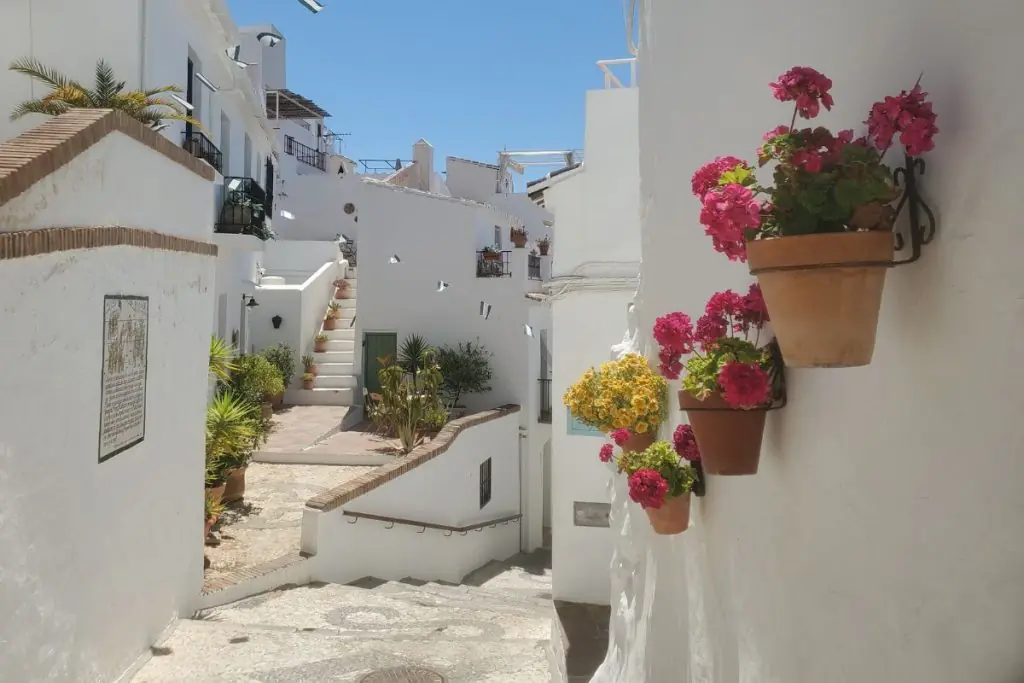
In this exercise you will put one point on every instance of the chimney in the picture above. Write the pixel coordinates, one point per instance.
(423, 156)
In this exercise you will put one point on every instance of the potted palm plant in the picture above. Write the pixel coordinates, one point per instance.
(320, 343)
(308, 380)
(309, 365)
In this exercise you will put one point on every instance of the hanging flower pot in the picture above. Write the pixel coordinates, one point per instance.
(673, 517)
(729, 438)
(635, 442)
(824, 313)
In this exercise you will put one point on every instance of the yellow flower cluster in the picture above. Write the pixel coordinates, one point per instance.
(622, 394)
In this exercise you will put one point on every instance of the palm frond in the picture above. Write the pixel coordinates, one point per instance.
(164, 89)
(107, 87)
(33, 68)
(222, 358)
(49, 108)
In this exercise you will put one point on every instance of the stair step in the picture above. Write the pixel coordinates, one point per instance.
(218, 651)
(345, 332)
(347, 302)
(465, 595)
(341, 344)
(328, 357)
(336, 382)
(325, 397)
(335, 368)
(347, 313)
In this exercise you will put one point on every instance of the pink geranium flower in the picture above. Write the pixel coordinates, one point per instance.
(708, 176)
(620, 436)
(685, 443)
(805, 86)
(910, 115)
(727, 212)
(744, 385)
(673, 331)
(606, 453)
(648, 488)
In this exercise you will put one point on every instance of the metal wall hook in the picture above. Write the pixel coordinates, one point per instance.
(422, 530)
(389, 525)
(353, 520)
(921, 224)
(447, 533)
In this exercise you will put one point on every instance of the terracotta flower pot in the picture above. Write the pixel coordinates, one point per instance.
(277, 400)
(330, 323)
(266, 410)
(519, 241)
(673, 517)
(308, 384)
(339, 293)
(492, 256)
(209, 527)
(823, 316)
(216, 493)
(639, 442)
(320, 346)
(543, 249)
(729, 439)
(234, 487)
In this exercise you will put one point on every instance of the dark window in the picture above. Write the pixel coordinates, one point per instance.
(485, 483)
(189, 93)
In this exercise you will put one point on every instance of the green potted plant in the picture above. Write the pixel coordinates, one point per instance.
(308, 380)
(660, 481)
(256, 380)
(334, 309)
(820, 239)
(729, 379)
(465, 369)
(216, 475)
(519, 236)
(320, 343)
(281, 357)
(309, 365)
(330, 322)
(490, 254)
(544, 244)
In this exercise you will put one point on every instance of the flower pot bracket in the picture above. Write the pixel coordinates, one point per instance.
(919, 230)
(777, 376)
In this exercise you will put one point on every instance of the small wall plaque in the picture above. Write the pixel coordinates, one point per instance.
(574, 426)
(590, 514)
(123, 377)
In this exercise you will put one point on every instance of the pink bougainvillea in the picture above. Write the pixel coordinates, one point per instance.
(685, 443)
(648, 488)
(910, 115)
(606, 453)
(805, 86)
(744, 385)
(727, 212)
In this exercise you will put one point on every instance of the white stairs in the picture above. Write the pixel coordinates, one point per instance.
(337, 379)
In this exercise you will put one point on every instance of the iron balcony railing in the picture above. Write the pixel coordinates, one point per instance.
(201, 147)
(245, 209)
(545, 401)
(534, 267)
(305, 153)
(493, 263)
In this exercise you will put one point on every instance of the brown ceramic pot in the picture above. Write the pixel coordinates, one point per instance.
(234, 487)
(277, 400)
(543, 249)
(330, 323)
(823, 317)
(673, 517)
(308, 384)
(729, 439)
(266, 410)
(639, 442)
(320, 346)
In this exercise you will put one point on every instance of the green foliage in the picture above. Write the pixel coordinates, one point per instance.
(256, 379)
(465, 370)
(662, 458)
(701, 378)
(415, 354)
(147, 106)
(308, 363)
(282, 357)
(213, 509)
(408, 404)
(232, 427)
(222, 359)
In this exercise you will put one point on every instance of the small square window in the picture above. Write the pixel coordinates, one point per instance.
(485, 483)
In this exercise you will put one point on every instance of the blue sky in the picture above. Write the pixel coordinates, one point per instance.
(470, 76)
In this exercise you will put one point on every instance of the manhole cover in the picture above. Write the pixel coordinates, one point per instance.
(403, 674)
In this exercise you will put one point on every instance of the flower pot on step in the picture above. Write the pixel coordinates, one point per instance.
(729, 438)
(277, 401)
(823, 293)
(673, 517)
(216, 493)
(543, 248)
(308, 384)
(234, 487)
(320, 346)
(330, 323)
(638, 442)
(519, 241)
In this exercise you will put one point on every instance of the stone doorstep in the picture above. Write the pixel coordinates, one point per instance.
(240, 576)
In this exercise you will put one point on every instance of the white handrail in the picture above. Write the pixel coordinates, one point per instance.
(610, 79)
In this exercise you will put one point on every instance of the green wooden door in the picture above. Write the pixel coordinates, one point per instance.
(376, 345)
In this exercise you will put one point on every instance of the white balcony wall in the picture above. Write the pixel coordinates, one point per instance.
(880, 540)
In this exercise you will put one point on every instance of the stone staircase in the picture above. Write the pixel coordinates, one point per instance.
(496, 627)
(337, 379)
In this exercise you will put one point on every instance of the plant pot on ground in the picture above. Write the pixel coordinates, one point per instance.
(820, 240)
(730, 381)
(334, 309)
(216, 492)
(266, 410)
(308, 381)
(234, 487)
(320, 343)
(519, 237)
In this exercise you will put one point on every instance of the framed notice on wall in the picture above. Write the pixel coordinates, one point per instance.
(123, 379)
(574, 426)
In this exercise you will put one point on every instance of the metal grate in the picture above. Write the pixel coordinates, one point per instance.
(534, 267)
(490, 263)
(305, 153)
(485, 483)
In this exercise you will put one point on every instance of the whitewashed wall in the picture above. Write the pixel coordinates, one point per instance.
(98, 559)
(470, 180)
(301, 307)
(237, 259)
(881, 538)
(346, 552)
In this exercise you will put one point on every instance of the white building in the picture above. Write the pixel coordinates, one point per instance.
(880, 538)
(596, 205)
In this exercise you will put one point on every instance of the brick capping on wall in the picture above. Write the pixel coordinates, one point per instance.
(350, 490)
(14, 245)
(36, 153)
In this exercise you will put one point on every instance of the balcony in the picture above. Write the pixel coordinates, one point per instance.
(245, 209)
(201, 147)
(304, 153)
(533, 267)
(545, 401)
(493, 263)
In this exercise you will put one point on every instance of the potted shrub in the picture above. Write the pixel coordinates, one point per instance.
(330, 322)
(519, 236)
(465, 369)
(256, 381)
(308, 379)
(233, 427)
(334, 309)
(544, 244)
(281, 357)
(309, 365)
(216, 477)
(320, 343)
(622, 394)
(728, 385)
(819, 240)
(340, 288)
(660, 481)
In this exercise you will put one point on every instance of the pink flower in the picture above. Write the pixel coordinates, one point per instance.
(910, 116)
(724, 304)
(670, 365)
(620, 436)
(727, 212)
(607, 451)
(673, 331)
(744, 385)
(685, 443)
(808, 88)
(707, 176)
(808, 160)
(775, 132)
(710, 329)
(648, 488)
(755, 311)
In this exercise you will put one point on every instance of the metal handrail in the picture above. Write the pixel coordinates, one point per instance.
(392, 521)
(305, 153)
(610, 79)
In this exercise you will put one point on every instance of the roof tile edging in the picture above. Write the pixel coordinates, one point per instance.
(26, 243)
(352, 489)
(39, 152)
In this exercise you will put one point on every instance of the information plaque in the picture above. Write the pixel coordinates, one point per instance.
(123, 382)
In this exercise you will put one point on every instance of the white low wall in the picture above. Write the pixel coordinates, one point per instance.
(444, 490)
(301, 308)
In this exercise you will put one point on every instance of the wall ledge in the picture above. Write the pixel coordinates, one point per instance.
(350, 490)
(25, 243)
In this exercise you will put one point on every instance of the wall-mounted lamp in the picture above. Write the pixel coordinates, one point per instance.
(251, 301)
(277, 320)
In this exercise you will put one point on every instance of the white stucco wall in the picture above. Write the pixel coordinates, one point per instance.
(99, 558)
(880, 539)
(318, 203)
(346, 552)
(237, 259)
(470, 180)
(301, 307)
